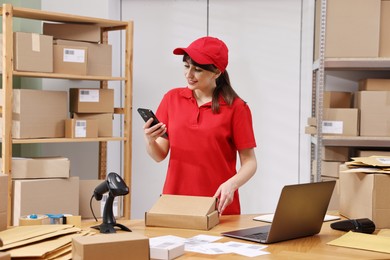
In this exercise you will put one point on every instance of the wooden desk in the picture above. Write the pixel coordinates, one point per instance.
(313, 247)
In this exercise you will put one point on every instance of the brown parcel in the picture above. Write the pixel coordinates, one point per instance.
(118, 246)
(40, 167)
(349, 22)
(4, 201)
(73, 31)
(70, 59)
(105, 121)
(374, 84)
(365, 195)
(81, 128)
(45, 196)
(340, 121)
(38, 113)
(176, 211)
(99, 56)
(91, 100)
(32, 52)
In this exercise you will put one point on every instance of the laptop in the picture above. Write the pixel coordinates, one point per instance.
(299, 213)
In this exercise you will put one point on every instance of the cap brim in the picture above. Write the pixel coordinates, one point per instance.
(195, 55)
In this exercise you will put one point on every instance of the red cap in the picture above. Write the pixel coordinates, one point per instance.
(207, 50)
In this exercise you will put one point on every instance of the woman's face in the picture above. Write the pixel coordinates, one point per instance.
(198, 78)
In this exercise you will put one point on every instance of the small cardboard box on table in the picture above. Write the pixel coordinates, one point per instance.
(118, 246)
(178, 211)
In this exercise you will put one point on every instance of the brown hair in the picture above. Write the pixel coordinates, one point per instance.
(223, 88)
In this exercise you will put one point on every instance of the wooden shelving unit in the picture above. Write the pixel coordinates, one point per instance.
(8, 12)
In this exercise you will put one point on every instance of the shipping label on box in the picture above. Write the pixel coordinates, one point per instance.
(80, 128)
(119, 246)
(105, 122)
(178, 211)
(42, 167)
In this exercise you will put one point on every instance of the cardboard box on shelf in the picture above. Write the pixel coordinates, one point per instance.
(345, 26)
(105, 122)
(335, 153)
(119, 246)
(81, 128)
(340, 121)
(73, 31)
(99, 60)
(328, 169)
(337, 99)
(374, 84)
(177, 211)
(4, 201)
(374, 110)
(384, 43)
(91, 100)
(32, 52)
(364, 195)
(40, 167)
(367, 153)
(70, 59)
(45, 196)
(87, 188)
(38, 113)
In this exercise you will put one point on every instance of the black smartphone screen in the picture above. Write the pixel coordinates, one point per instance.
(146, 114)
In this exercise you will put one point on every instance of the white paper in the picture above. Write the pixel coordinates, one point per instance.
(245, 249)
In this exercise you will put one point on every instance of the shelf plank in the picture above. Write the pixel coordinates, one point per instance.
(356, 141)
(355, 64)
(66, 140)
(65, 18)
(65, 76)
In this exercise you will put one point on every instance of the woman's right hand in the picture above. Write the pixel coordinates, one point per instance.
(153, 132)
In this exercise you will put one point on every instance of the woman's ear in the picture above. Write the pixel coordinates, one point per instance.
(217, 73)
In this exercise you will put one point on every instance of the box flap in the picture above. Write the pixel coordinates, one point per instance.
(184, 205)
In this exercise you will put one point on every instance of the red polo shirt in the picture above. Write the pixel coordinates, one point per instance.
(203, 145)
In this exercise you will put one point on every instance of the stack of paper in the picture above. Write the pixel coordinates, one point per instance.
(371, 164)
(40, 241)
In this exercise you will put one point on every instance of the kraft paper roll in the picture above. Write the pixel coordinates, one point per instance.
(29, 220)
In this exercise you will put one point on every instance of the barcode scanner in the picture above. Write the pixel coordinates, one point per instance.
(362, 225)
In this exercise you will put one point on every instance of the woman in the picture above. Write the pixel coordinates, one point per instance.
(207, 124)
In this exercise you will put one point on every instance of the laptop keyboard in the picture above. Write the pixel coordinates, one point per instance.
(258, 236)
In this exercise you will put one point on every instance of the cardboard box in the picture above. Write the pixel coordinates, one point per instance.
(118, 246)
(105, 122)
(374, 109)
(335, 153)
(340, 121)
(384, 43)
(337, 99)
(81, 128)
(87, 188)
(32, 52)
(5, 256)
(365, 195)
(350, 22)
(165, 250)
(45, 196)
(73, 31)
(38, 113)
(91, 100)
(99, 61)
(70, 59)
(176, 211)
(367, 153)
(40, 167)
(334, 203)
(328, 169)
(4, 201)
(374, 84)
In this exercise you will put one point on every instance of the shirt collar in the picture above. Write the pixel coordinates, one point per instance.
(187, 93)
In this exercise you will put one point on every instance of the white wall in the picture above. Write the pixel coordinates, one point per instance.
(270, 67)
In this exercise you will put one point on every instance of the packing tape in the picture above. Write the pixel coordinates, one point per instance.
(32, 219)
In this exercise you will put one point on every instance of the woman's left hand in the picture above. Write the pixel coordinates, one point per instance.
(225, 193)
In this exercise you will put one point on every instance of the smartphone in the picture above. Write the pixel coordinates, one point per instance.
(146, 114)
